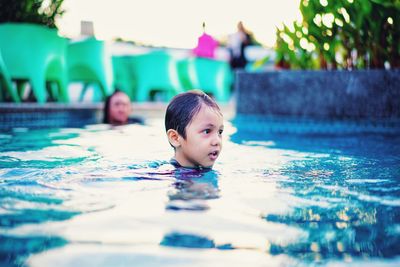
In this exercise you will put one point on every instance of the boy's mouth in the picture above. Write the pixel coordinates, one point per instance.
(213, 155)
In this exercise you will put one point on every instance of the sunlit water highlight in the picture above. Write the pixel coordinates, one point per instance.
(109, 197)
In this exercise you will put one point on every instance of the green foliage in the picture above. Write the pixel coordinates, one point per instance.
(343, 34)
(43, 12)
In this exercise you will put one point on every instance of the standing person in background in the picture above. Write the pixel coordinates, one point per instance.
(237, 43)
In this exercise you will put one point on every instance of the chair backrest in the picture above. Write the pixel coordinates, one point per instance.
(35, 53)
(156, 69)
(88, 61)
(124, 79)
(26, 47)
(210, 75)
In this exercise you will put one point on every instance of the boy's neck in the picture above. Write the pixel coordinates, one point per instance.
(176, 164)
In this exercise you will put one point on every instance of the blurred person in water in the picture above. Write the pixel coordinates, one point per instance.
(117, 109)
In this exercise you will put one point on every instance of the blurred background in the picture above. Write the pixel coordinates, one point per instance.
(112, 44)
(176, 23)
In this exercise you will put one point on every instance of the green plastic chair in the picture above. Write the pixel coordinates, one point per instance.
(6, 86)
(35, 54)
(156, 71)
(123, 76)
(210, 75)
(89, 63)
(183, 70)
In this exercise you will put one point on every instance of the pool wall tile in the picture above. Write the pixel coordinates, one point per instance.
(356, 95)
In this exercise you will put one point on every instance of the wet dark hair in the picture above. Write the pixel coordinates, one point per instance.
(183, 107)
(106, 110)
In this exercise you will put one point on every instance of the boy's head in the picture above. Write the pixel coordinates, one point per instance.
(194, 125)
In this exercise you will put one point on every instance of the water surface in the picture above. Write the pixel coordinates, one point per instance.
(109, 197)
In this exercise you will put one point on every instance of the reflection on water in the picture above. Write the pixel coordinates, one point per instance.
(338, 233)
(347, 215)
(104, 197)
(15, 250)
(191, 241)
(192, 188)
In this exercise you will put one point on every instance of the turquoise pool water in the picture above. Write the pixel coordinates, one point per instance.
(95, 196)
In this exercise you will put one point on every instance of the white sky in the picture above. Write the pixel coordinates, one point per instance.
(177, 23)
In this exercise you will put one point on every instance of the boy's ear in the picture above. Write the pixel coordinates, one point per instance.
(173, 138)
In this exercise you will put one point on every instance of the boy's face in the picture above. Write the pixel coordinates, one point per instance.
(203, 142)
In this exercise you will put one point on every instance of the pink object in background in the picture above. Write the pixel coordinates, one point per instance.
(206, 46)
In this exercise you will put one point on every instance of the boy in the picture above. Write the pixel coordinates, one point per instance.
(194, 126)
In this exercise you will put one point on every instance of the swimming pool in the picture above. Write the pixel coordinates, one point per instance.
(290, 196)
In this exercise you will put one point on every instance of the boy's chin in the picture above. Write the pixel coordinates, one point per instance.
(195, 164)
(207, 166)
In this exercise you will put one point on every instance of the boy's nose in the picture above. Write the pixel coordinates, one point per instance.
(216, 140)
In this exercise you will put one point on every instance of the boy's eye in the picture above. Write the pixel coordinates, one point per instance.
(220, 131)
(206, 131)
